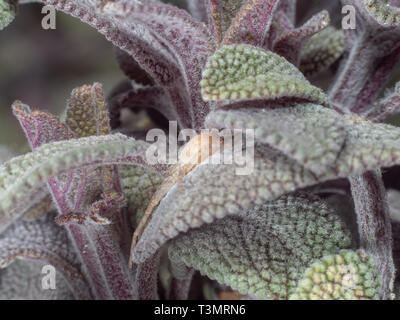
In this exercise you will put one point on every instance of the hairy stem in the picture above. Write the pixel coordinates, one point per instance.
(146, 278)
(374, 225)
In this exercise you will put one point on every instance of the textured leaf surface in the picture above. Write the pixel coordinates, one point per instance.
(252, 23)
(290, 44)
(43, 240)
(349, 275)
(367, 146)
(8, 9)
(138, 185)
(321, 51)
(40, 127)
(266, 250)
(167, 42)
(87, 112)
(383, 12)
(243, 72)
(310, 134)
(22, 280)
(222, 13)
(23, 179)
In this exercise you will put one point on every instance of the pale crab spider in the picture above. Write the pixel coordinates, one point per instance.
(198, 149)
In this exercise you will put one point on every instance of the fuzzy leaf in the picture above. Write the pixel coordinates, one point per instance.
(265, 251)
(290, 44)
(22, 280)
(131, 68)
(43, 240)
(288, 7)
(167, 43)
(348, 275)
(40, 127)
(222, 13)
(252, 23)
(310, 134)
(367, 146)
(384, 13)
(87, 112)
(243, 72)
(8, 10)
(199, 9)
(321, 51)
(23, 179)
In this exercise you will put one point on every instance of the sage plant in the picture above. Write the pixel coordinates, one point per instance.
(314, 219)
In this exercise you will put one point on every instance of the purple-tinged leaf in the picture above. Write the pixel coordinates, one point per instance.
(45, 241)
(131, 68)
(265, 251)
(386, 107)
(143, 98)
(373, 52)
(40, 127)
(188, 40)
(289, 8)
(321, 51)
(23, 179)
(281, 24)
(200, 9)
(252, 23)
(222, 14)
(244, 73)
(289, 45)
(383, 12)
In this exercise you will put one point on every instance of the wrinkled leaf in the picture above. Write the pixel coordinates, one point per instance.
(384, 13)
(265, 251)
(43, 240)
(23, 179)
(243, 72)
(348, 275)
(290, 44)
(252, 23)
(310, 134)
(321, 51)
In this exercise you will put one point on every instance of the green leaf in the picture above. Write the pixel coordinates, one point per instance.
(384, 13)
(23, 179)
(321, 51)
(264, 252)
(244, 72)
(47, 242)
(8, 10)
(308, 133)
(348, 275)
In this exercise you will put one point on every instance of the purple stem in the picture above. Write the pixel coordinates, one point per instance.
(374, 225)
